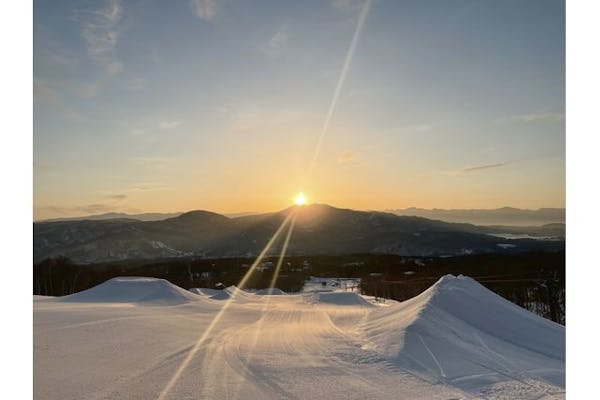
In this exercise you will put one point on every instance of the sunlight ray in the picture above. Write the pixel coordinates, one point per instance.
(267, 299)
(338, 88)
(282, 255)
(163, 395)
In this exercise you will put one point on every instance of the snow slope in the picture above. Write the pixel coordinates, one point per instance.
(457, 340)
(460, 333)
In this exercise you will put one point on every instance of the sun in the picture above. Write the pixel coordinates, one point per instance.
(300, 200)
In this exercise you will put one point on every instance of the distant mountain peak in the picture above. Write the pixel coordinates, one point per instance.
(196, 215)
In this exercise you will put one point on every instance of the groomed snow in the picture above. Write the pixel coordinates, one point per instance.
(133, 290)
(460, 333)
(127, 337)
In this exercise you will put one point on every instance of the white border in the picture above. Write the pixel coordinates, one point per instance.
(583, 268)
(583, 202)
(16, 163)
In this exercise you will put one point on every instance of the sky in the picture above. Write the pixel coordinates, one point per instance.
(236, 106)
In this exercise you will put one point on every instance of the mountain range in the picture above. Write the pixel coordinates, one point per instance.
(319, 229)
(498, 216)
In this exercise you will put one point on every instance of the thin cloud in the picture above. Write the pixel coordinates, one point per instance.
(348, 157)
(100, 31)
(150, 186)
(538, 117)
(117, 197)
(204, 9)
(483, 167)
(276, 44)
(169, 124)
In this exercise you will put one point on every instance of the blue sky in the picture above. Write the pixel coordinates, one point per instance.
(218, 104)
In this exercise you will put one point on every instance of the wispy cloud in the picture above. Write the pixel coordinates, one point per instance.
(536, 117)
(100, 31)
(483, 167)
(204, 9)
(275, 44)
(116, 197)
(150, 186)
(348, 157)
(169, 124)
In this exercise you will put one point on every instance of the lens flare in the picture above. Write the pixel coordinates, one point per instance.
(300, 199)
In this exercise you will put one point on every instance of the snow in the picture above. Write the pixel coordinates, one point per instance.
(321, 284)
(270, 292)
(133, 290)
(205, 291)
(341, 299)
(461, 333)
(127, 337)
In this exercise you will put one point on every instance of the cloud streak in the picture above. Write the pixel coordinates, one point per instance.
(348, 157)
(483, 167)
(117, 197)
(538, 117)
(204, 9)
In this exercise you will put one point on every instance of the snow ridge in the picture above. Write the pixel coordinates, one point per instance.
(461, 333)
(139, 290)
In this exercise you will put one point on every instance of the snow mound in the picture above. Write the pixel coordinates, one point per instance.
(463, 334)
(271, 291)
(232, 292)
(222, 295)
(340, 299)
(133, 290)
(205, 291)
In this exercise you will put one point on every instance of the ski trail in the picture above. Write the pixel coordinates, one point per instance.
(442, 373)
(495, 353)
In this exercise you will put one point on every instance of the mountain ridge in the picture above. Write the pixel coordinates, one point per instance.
(318, 229)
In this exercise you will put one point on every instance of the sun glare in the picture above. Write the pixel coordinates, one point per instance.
(300, 200)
